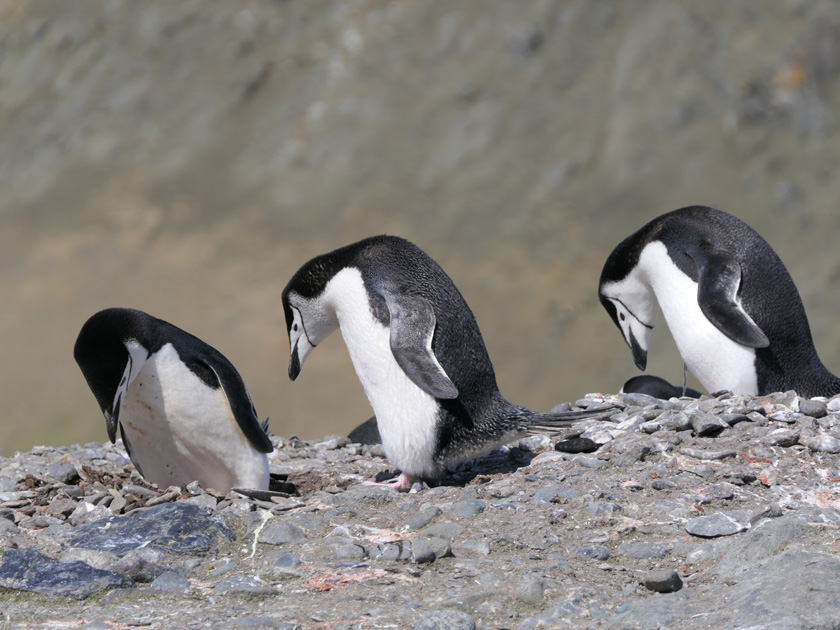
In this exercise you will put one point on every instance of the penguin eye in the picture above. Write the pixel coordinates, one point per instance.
(621, 315)
(295, 327)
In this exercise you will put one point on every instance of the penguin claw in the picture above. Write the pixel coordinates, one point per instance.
(402, 483)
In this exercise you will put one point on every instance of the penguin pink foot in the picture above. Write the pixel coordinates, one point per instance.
(402, 483)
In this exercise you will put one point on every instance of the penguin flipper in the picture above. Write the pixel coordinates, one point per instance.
(240, 404)
(412, 328)
(717, 290)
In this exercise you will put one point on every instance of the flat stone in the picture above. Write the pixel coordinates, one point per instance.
(172, 527)
(287, 561)
(782, 437)
(31, 570)
(244, 585)
(423, 517)
(281, 533)
(642, 550)
(532, 592)
(595, 552)
(171, 582)
(708, 455)
(65, 472)
(720, 524)
(448, 619)
(554, 492)
(813, 408)
(577, 445)
(449, 531)
(823, 443)
(705, 424)
(662, 581)
(468, 507)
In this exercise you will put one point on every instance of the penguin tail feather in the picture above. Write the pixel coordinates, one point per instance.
(553, 422)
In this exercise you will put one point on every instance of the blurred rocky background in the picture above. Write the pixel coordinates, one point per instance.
(185, 158)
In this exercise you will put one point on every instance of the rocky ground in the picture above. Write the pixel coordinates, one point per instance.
(717, 513)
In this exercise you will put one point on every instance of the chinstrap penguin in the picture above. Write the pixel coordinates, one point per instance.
(731, 306)
(416, 349)
(182, 409)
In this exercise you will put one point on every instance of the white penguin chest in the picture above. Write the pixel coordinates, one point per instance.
(180, 429)
(405, 414)
(717, 361)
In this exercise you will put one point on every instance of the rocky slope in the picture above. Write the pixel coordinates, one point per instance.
(717, 513)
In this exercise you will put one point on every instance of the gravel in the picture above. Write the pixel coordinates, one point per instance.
(665, 528)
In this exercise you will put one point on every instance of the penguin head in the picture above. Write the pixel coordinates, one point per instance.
(632, 305)
(309, 320)
(110, 351)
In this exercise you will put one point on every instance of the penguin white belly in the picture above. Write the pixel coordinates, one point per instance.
(180, 429)
(406, 415)
(717, 361)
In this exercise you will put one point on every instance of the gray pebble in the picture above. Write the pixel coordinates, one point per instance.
(423, 517)
(590, 462)
(663, 581)
(550, 494)
(643, 550)
(468, 507)
(65, 472)
(535, 443)
(287, 561)
(813, 408)
(448, 619)
(423, 552)
(577, 445)
(532, 592)
(720, 524)
(449, 531)
(705, 424)
(707, 455)
(595, 552)
(823, 443)
(350, 551)
(782, 437)
(280, 533)
(244, 585)
(171, 582)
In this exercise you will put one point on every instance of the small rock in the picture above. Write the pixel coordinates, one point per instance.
(247, 585)
(31, 570)
(449, 531)
(824, 443)
(707, 455)
(172, 527)
(813, 408)
(535, 443)
(595, 552)
(349, 551)
(643, 550)
(65, 472)
(280, 533)
(171, 582)
(720, 524)
(577, 445)
(448, 619)
(705, 424)
(532, 592)
(663, 581)
(287, 561)
(782, 437)
(468, 507)
(423, 517)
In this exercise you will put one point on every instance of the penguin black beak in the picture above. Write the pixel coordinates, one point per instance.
(639, 355)
(294, 363)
